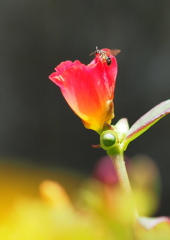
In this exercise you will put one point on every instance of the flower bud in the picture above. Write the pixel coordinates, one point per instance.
(108, 139)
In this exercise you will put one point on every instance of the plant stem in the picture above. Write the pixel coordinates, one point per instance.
(119, 164)
(120, 167)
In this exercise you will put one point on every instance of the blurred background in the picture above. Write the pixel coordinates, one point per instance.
(36, 124)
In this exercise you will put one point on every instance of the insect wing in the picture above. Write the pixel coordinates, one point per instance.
(115, 52)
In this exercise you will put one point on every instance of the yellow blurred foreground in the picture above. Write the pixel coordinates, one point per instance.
(34, 205)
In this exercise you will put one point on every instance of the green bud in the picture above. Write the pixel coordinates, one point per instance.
(108, 139)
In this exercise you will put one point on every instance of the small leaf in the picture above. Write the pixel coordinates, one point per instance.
(146, 121)
(122, 125)
(122, 128)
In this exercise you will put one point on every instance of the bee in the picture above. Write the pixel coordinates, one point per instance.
(105, 55)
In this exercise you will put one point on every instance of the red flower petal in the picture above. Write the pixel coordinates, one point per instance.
(88, 89)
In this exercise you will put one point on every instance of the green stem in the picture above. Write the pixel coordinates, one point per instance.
(119, 164)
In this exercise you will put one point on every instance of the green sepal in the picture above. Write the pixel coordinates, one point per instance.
(107, 127)
(146, 121)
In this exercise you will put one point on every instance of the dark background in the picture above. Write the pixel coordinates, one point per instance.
(36, 124)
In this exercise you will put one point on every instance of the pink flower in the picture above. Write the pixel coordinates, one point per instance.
(89, 89)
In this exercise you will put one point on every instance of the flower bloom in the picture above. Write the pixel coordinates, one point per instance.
(89, 89)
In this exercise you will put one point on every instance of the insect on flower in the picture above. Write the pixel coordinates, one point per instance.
(105, 54)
